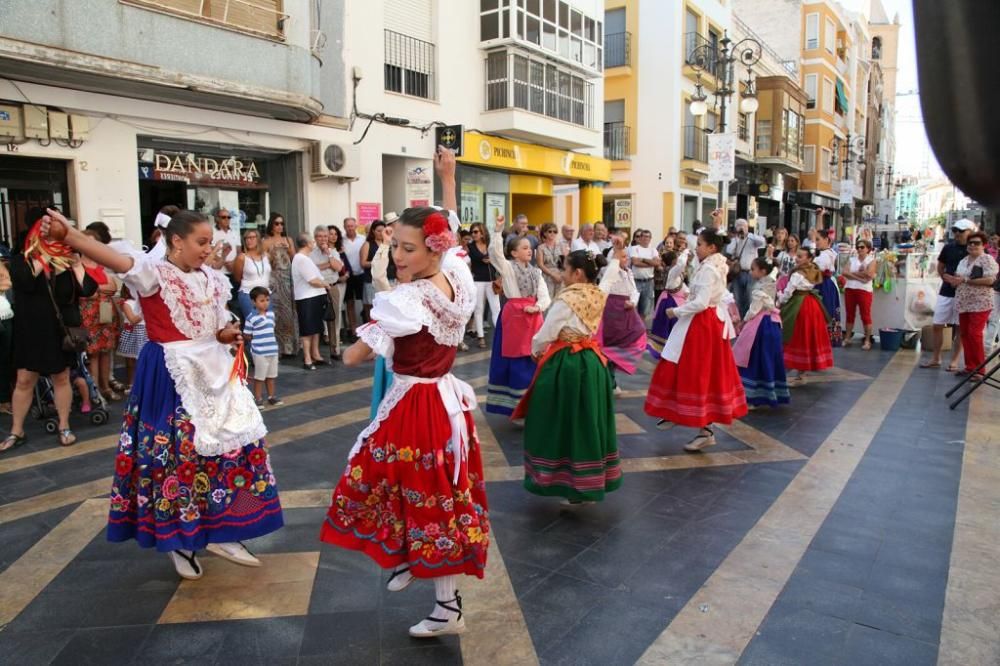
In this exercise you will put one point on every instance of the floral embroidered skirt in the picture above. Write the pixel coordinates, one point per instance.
(164, 494)
(396, 502)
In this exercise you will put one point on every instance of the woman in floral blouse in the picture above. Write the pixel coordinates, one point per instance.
(973, 282)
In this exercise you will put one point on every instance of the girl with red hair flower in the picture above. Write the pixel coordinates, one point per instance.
(413, 495)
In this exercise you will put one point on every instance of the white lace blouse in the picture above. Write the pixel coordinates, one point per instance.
(797, 282)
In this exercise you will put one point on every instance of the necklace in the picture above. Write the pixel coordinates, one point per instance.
(257, 267)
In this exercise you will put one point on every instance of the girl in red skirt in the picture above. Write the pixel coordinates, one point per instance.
(413, 496)
(696, 382)
(804, 320)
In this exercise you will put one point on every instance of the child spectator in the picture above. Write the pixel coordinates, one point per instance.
(133, 337)
(259, 329)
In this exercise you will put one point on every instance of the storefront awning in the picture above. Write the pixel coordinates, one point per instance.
(841, 96)
(497, 153)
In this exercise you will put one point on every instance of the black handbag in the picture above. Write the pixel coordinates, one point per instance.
(75, 338)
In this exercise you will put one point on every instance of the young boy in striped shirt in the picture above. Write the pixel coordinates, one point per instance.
(259, 328)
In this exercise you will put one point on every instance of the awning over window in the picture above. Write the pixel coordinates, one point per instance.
(841, 98)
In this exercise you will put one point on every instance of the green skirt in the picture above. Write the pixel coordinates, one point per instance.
(570, 444)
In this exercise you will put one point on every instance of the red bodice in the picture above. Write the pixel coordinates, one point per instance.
(419, 355)
(159, 326)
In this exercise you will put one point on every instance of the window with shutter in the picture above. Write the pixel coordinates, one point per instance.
(409, 48)
(262, 17)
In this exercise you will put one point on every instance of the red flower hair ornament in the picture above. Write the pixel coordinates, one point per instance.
(437, 233)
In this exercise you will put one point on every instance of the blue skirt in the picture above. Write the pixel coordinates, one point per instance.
(764, 378)
(380, 384)
(830, 296)
(509, 377)
(164, 494)
(662, 325)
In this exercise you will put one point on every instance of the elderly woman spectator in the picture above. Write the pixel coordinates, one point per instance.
(47, 299)
(973, 282)
(100, 318)
(327, 260)
(310, 292)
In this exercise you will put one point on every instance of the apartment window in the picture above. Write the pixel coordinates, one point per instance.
(827, 100)
(812, 31)
(409, 65)
(809, 159)
(877, 48)
(763, 137)
(824, 165)
(811, 84)
(517, 80)
(743, 127)
(791, 134)
(262, 17)
(830, 38)
(551, 25)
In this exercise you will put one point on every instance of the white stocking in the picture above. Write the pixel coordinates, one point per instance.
(445, 591)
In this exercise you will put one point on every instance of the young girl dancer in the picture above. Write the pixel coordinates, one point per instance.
(511, 365)
(826, 261)
(674, 295)
(696, 383)
(192, 471)
(622, 335)
(804, 320)
(570, 445)
(758, 350)
(413, 497)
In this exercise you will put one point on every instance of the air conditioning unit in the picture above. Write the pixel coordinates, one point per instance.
(335, 160)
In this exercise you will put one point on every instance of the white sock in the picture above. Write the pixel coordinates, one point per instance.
(445, 590)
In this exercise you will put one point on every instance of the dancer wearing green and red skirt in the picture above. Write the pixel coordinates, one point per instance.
(570, 444)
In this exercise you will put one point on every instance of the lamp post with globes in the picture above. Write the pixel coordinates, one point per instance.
(847, 151)
(720, 62)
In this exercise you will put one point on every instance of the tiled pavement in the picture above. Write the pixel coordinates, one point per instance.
(686, 563)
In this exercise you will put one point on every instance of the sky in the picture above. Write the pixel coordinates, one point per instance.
(913, 152)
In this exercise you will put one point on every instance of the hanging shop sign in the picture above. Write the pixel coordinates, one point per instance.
(202, 170)
(495, 152)
(721, 156)
(623, 213)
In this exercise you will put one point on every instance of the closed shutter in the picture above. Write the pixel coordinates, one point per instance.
(410, 17)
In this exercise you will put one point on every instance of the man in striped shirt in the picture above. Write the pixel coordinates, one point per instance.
(259, 328)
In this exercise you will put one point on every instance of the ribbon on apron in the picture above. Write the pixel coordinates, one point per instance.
(744, 343)
(519, 327)
(222, 410)
(575, 347)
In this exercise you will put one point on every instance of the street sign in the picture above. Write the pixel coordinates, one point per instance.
(450, 136)
(847, 192)
(721, 157)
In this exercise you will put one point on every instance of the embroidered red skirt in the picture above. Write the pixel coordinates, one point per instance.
(704, 386)
(396, 502)
(809, 347)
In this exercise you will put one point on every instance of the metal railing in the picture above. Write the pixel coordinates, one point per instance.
(617, 49)
(790, 66)
(616, 141)
(263, 17)
(695, 143)
(409, 65)
(706, 59)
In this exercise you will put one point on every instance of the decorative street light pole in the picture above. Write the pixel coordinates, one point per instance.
(719, 62)
(849, 150)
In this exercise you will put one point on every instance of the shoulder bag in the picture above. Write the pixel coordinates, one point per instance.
(74, 338)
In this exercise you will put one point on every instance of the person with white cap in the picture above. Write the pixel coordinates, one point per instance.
(945, 312)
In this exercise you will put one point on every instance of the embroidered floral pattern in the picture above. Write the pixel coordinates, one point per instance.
(193, 299)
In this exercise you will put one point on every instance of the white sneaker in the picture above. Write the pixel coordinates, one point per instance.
(400, 579)
(664, 424)
(186, 564)
(618, 390)
(432, 626)
(702, 441)
(236, 553)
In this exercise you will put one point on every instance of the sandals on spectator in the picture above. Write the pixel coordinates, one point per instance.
(12, 441)
(66, 437)
(118, 386)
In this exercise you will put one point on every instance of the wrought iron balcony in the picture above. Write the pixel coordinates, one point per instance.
(616, 141)
(706, 59)
(617, 49)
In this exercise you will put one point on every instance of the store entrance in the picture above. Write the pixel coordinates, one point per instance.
(154, 195)
(26, 183)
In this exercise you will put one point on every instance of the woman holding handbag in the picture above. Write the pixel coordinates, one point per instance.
(100, 317)
(48, 282)
(485, 277)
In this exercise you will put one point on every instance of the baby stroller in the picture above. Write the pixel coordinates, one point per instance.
(44, 409)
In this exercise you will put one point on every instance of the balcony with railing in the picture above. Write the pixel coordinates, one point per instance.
(409, 65)
(696, 144)
(616, 141)
(242, 56)
(617, 50)
(706, 59)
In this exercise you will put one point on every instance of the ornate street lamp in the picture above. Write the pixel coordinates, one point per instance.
(720, 62)
(850, 150)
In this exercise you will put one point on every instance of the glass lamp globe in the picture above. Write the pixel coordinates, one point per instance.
(699, 107)
(749, 105)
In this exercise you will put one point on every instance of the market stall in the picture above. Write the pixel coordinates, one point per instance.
(906, 287)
